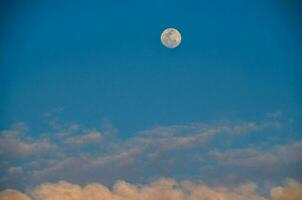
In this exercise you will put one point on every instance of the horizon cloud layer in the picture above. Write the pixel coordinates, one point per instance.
(161, 189)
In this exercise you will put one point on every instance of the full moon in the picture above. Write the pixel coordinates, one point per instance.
(170, 38)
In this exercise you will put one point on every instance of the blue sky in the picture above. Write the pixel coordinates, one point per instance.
(96, 70)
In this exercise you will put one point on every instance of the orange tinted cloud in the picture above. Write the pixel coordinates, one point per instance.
(162, 189)
(13, 195)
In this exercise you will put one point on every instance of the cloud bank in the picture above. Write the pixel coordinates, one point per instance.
(161, 189)
(223, 152)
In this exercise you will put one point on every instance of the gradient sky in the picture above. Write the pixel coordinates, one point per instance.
(75, 72)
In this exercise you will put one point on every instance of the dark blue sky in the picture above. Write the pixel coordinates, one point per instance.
(103, 61)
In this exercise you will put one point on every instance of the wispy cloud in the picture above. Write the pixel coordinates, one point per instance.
(158, 151)
(258, 157)
(14, 144)
(90, 137)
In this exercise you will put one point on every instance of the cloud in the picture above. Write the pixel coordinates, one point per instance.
(14, 144)
(15, 170)
(275, 115)
(13, 195)
(161, 189)
(258, 157)
(154, 148)
(91, 137)
(293, 191)
(158, 151)
(11, 144)
(194, 134)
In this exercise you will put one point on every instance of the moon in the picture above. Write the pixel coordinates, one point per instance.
(170, 38)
